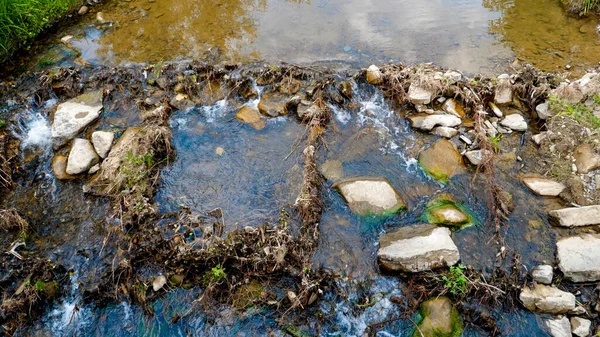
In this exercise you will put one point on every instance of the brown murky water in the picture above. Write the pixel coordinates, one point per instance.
(470, 35)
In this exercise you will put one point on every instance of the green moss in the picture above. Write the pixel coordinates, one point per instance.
(247, 294)
(436, 328)
(439, 204)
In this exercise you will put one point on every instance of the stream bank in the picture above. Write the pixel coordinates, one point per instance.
(143, 234)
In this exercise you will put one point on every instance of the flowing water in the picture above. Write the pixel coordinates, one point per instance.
(250, 175)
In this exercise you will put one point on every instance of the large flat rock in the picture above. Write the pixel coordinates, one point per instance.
(544, 186)
(72, 116)
(370, 195)
(417, 248)
(577, 216)
(579, 257)
(547, 300)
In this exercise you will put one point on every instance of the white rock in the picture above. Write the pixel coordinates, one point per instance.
(547, 300)
(444, 131)
(503, 94)
(476, 156)
(580, 326)
(442, 120)
(543, 111)
(418, 95)
(74, 115)
(82, 157)
(515, 122)
(537, 139)
(578, 257)
(374, 75)
(94, 169)
(102, 141)
(577, 216)
(543, 186)
(542, 274)
(159, 282)
(453, 75)
(466, 140)
(558, 326)
(66, 39)
(496, 110)
(452, 107)
(417, 248)
(366, 195)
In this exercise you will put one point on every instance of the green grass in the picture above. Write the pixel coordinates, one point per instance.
(23, 20)
(583, 6)
(579, 112)
(456, 281)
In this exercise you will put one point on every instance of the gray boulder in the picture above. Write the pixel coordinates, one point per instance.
(102, 141)
(417, 248)
(542, 274)
(547, 300)
(82, 157)
(370, 195)
(557, 326)
(74, 115)
(577, 216)
(578, 257)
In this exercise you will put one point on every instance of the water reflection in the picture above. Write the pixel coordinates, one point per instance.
(450, 33)
(539, 32)
(149, 30)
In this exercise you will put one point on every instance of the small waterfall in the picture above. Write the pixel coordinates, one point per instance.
(34, 131)
(393, 129)
(69, 317)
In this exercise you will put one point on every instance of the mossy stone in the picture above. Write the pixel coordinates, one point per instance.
(440, 319)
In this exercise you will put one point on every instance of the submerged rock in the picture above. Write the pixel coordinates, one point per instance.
(442, 160)
(272, 104)
(547, 300)
(374, 75)
(81, 157)
(419, 95)
(440, 318)
(74, 115)
(577, 216)
(514, 122)
(102, 141)
(59, 167)
(558, 326)
(586, 158)
(366, 195)
(417, 248)
(332, 170)
(251, 116)
(544, 186)
(444, 211)
(578, 257)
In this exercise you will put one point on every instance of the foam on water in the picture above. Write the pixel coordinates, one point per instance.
(69, 317)
(34, 131)
(215, 111)
(376, 113)
(349, 322)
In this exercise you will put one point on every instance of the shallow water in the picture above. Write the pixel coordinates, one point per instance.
(473, 36)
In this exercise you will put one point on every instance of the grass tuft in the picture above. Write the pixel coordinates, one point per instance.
(23, 20)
